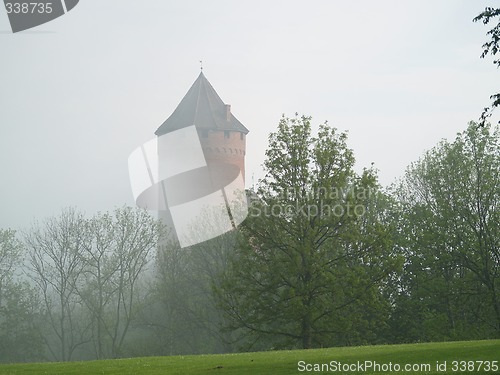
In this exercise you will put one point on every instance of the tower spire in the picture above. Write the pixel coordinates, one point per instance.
(203, 107)
(201, 65)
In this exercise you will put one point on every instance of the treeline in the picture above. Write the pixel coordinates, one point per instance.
(72, 288)
(326, 257)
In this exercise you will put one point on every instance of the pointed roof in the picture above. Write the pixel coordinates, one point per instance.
(202, 107)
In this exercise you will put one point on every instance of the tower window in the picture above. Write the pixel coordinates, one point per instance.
(226, 134)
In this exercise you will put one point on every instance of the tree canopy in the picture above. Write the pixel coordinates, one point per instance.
(315, 249)
(491, 47)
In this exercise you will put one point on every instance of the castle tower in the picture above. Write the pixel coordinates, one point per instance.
(222, 139)
(222, 135)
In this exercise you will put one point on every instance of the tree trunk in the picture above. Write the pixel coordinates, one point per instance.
(306, 331)
(496, 306)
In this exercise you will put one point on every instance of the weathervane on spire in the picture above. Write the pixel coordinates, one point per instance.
(201, 65)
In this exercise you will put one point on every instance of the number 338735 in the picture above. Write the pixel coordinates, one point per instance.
(25, 8)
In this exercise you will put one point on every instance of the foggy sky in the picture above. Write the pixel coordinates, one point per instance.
(79, 94)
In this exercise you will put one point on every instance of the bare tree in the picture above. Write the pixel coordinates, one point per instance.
(55, 249)
(114, 261)
(97, 286)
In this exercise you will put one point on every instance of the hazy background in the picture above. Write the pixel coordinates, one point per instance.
(78, 94)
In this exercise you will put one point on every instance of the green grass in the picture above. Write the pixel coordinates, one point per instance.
(280, 362)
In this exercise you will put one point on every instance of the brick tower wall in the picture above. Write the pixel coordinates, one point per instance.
(224, 146)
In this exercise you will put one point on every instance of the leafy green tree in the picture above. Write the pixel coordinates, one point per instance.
(10, 256)
(315, 250)
(20, 318)
(450, 225)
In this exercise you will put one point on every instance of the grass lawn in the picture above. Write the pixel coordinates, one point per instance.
(474, 353)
